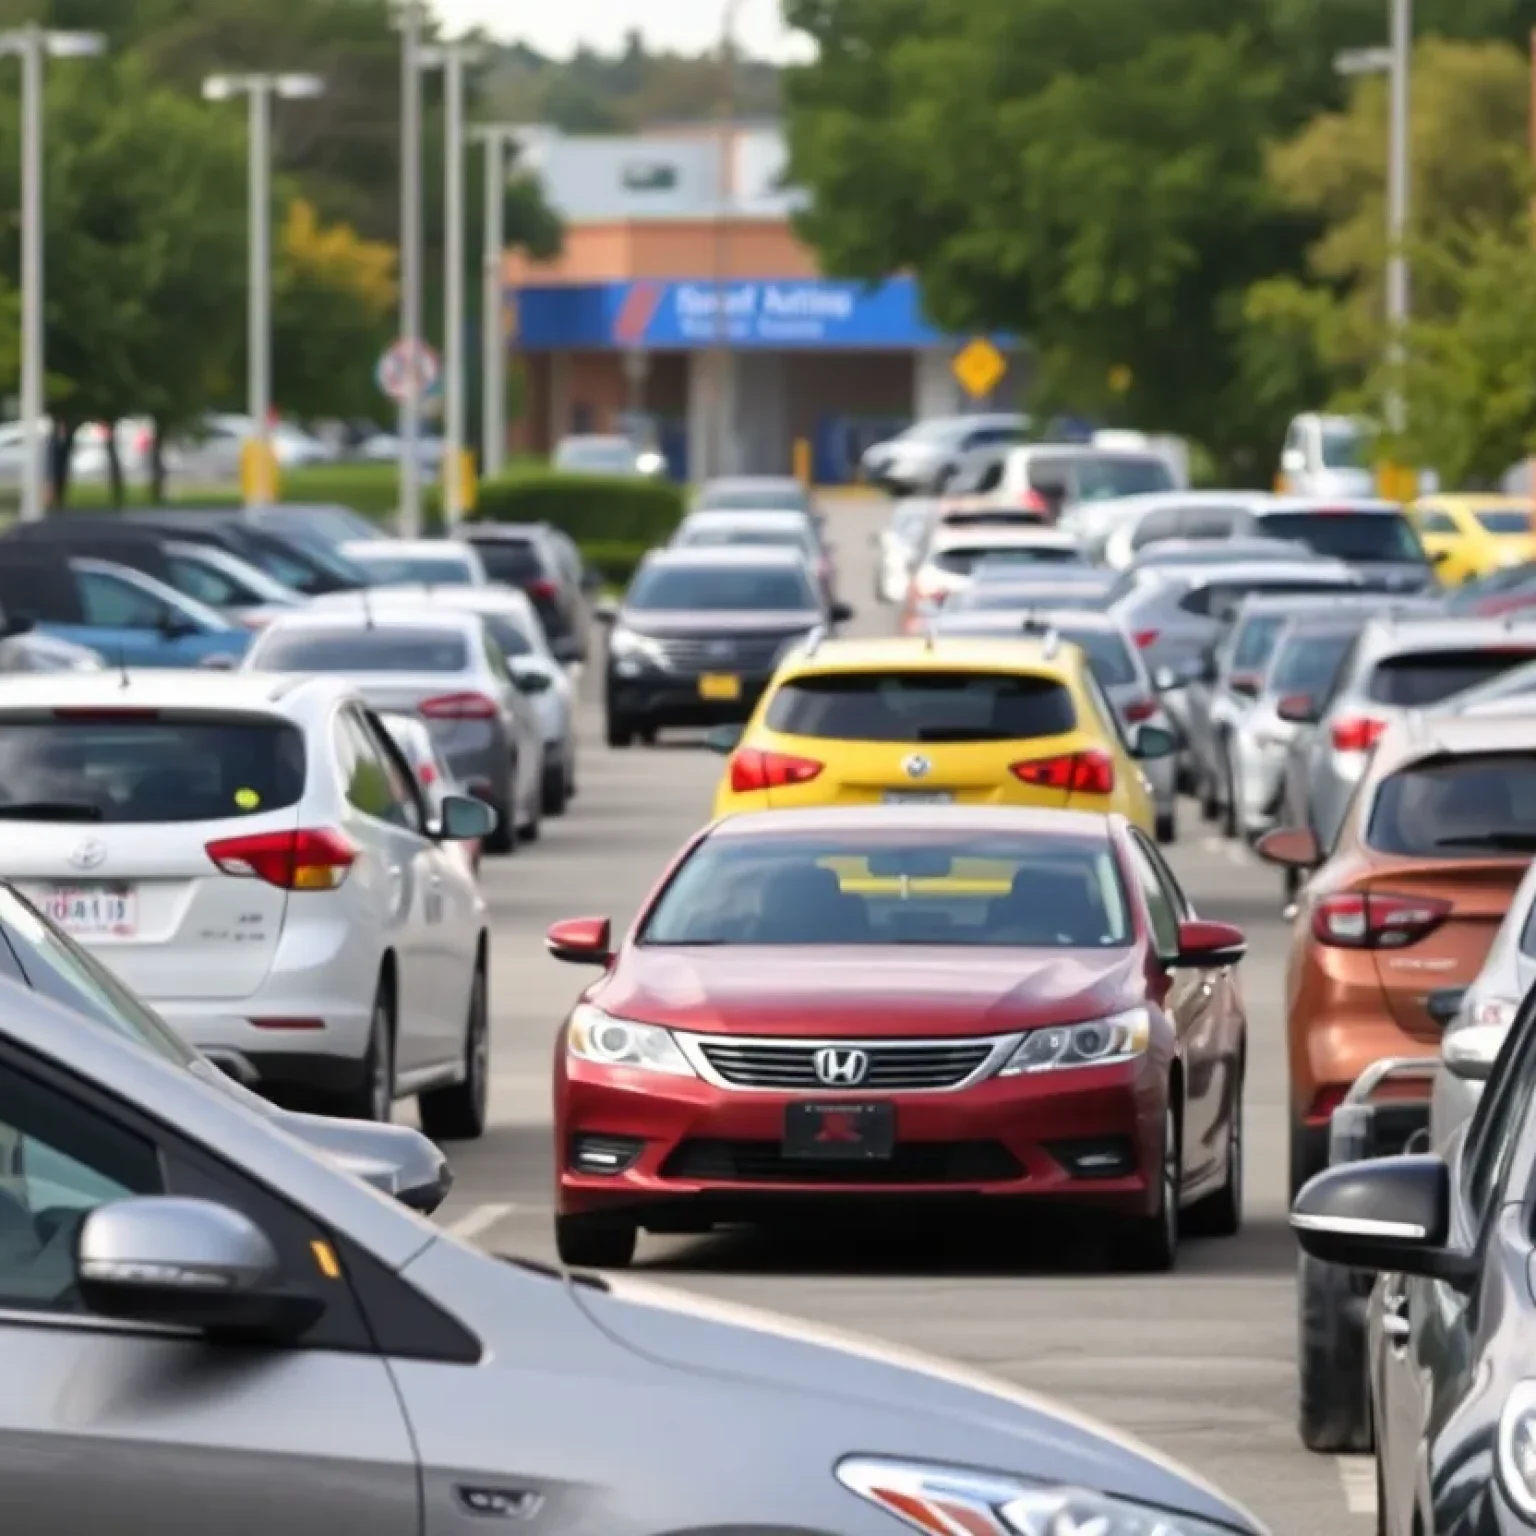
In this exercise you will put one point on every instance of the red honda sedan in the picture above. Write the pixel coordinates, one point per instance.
(889, 1003)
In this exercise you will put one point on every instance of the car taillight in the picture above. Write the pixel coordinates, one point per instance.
(542, 590)
(458, 706)
(1356, 733)
(1033, 501)
(1145, 637)
(1079, 773)
(1375, 920)
(311, 859)
(752, 769)
(1140, 709)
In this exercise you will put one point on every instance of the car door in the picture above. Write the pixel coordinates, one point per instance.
(1194, 1001)
(383, 815)
(106, 1423)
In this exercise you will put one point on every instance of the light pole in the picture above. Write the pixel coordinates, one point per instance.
(259, 91)
(32, 45)
(409, 425)
(498, 139)
(724, 381)
(452, 58)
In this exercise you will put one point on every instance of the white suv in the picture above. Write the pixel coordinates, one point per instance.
(253, 856)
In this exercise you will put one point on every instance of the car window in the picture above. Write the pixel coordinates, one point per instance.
(1048, 472)
(1219, 597)
(509, 636)
(1110, 725)
(1507, 521)
(921, 706)
(370, 780)
(158, 766)
(494, 659)
(1439, 807)
(1101, 477)
(935, 888)
(1209, 523)
(406, 803)
(1108, 651)
(1347, 535)
(108, 602)
(203, 582)
(1416, 679)
(509, 561)
(1497, 1122)
(1436, 522)
(59, 1162)
(721, 588)
(1256, 640)
(391, 649)
(445, 570)
(962, 559)
(1162, 907)
(1308, 664)
(1344, 447)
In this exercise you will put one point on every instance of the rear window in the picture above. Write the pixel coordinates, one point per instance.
(363, 650)
(1108, 652)
(120, 767)
(407, 570)
(1444, 806)
(962, 560)
(1507, 522)
(507, 635)
(922, 706)
(720, 588)
(772, 497)
(1348, 535)
(780, 538)
(510, 562)
(1256, 641)
(1421, 678)
(1103, 478)
(993, 891)
(1309, 664)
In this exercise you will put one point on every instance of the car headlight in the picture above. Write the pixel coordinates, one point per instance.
(1517, 1449)
(624, 645)
(930, 1499)
(1097, 1043)
(595, 1036)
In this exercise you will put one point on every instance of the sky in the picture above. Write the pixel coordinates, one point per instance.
(685, 26)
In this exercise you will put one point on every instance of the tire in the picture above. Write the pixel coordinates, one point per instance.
(621, 732)
(374, 1096)
(1220, 1214)
(458, 1113)
(554, 791)
(591, 1242)
(1151, 1243)
(530, 829)
(1168, 825)
(1333, 1410)
(504, 839)
(1308, 1155)
(1210, 805)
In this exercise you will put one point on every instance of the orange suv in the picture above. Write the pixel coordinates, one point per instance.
(1436, 839)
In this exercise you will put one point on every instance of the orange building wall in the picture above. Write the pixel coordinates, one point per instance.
(681, 248)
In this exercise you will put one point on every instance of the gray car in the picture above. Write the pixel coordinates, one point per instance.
(1118, 531)
(195, 1307)
(444, 666)
(1394, 667)
(922, 460)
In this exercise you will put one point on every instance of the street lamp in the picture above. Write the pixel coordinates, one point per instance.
(724, 371)
(409, 423)
(499, 139)
(452, 58)
(32, 45)
(259, 90)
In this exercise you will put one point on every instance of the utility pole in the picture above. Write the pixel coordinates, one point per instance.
(496, 140)
(1401, 45)
(259, 90)
(722, 373)
(33, 45)
(409, 427)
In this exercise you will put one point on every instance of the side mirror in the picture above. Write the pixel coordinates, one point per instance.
(841, 613)
(395, 1159)
(1298, 709)
(1470, 1053)
(581, 941)
(1290, 847)
(531, 682)
(465, 819)
(232, 1064)
(1152, 742)
(176, 626)
(189, 1264)
(1443, 1004)
(1210, 946)
(606, 611)
(724, 739)
(1389, 1213)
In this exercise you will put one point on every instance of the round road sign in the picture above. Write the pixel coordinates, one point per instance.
(407, 368)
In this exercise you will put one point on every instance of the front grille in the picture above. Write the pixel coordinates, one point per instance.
(892, 1068)
(912, 1162)
(724, 653)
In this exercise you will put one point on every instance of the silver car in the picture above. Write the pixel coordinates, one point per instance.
(443, 666)
(1118, 531)
(195, 1306)
(897, 546)
(1395, 667)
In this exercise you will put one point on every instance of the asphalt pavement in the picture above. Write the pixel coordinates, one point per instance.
(1199, 1363)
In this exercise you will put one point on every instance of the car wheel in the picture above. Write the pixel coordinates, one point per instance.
(458, 1113)
(621, 732)
(555, 789)
(1333, 1411)
(503, 839)
(1210, 804)
(530, 829)
(1309, 1155)
(590, 1242)
(1168, 825)
(1152, 1243)
(1221, 1214)
(374, 1096)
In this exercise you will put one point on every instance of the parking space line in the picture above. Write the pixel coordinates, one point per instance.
(1358, 1476)
(481, 1219)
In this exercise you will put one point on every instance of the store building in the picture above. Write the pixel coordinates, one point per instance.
(684, 299)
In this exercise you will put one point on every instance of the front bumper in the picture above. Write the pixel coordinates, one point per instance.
(654, 699)
(694, 1154)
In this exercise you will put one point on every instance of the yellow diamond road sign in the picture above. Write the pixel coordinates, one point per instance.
(979, 366)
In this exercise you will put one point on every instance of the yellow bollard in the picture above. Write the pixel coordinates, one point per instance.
(259, 479)
(459, 475)
(802, 460)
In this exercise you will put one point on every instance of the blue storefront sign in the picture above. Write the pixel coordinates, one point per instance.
(696, 315)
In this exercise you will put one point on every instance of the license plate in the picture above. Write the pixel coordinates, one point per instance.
(719, 686)
(93, 911)
(849, 1131)
(917, 797)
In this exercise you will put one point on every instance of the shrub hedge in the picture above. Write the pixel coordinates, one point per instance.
(593, 509)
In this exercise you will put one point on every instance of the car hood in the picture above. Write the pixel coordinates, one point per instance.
(717, 622)
(860, 990)
(1002, 1427)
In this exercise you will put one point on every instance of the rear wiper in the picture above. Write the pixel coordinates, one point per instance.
(1516, 842)
(50, 810)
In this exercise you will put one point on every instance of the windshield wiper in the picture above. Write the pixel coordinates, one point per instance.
(50, 810)
(1516, 842)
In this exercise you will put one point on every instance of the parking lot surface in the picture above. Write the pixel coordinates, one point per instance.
(1198, 1363)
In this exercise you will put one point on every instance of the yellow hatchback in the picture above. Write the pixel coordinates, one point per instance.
(1470, 536)
(973, 721)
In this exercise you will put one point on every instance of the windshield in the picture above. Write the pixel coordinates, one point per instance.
(1421, 678)
(509, 561)
(706, 535)
(770, 496)
(146, 766)
(389, 649)
(922, 706)
(928, 888)
(389, 570)
(607, 457)
(1507, 521)
(1256, 641)
(1344, 447)
(1308, 664)
(1477, 804)
(1349, 535)
(720, 588)
(1104, 476)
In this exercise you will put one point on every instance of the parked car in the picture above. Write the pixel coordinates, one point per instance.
(443, 666)
(234, 587)
(1470, 536)
(922, 459)
(600, 454)
(1005, 585)
(950, 555)
(897, 546)
(863, 986)
(1050, 478)
(280, 1326)
(1436, 840)
(717, 529)
(544, 563)
(310, 526)
(1326, 456)
(1372, 536)
(1117, 531)
(236, 848)
(754, 493)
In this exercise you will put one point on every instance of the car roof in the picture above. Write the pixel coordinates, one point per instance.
(924, 653)
(520, 532)
(161, 688)
(1327, 603)
(1418, 735)
(373, 615)
(746, 555)
(1052, 614)
(1087, 451)
(1006, 536)
(356, 547)
(415, 596)
(1387, 635)
(962, 819)
(1325, 504)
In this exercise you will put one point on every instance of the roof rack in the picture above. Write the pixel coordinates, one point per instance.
(1034, 624)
